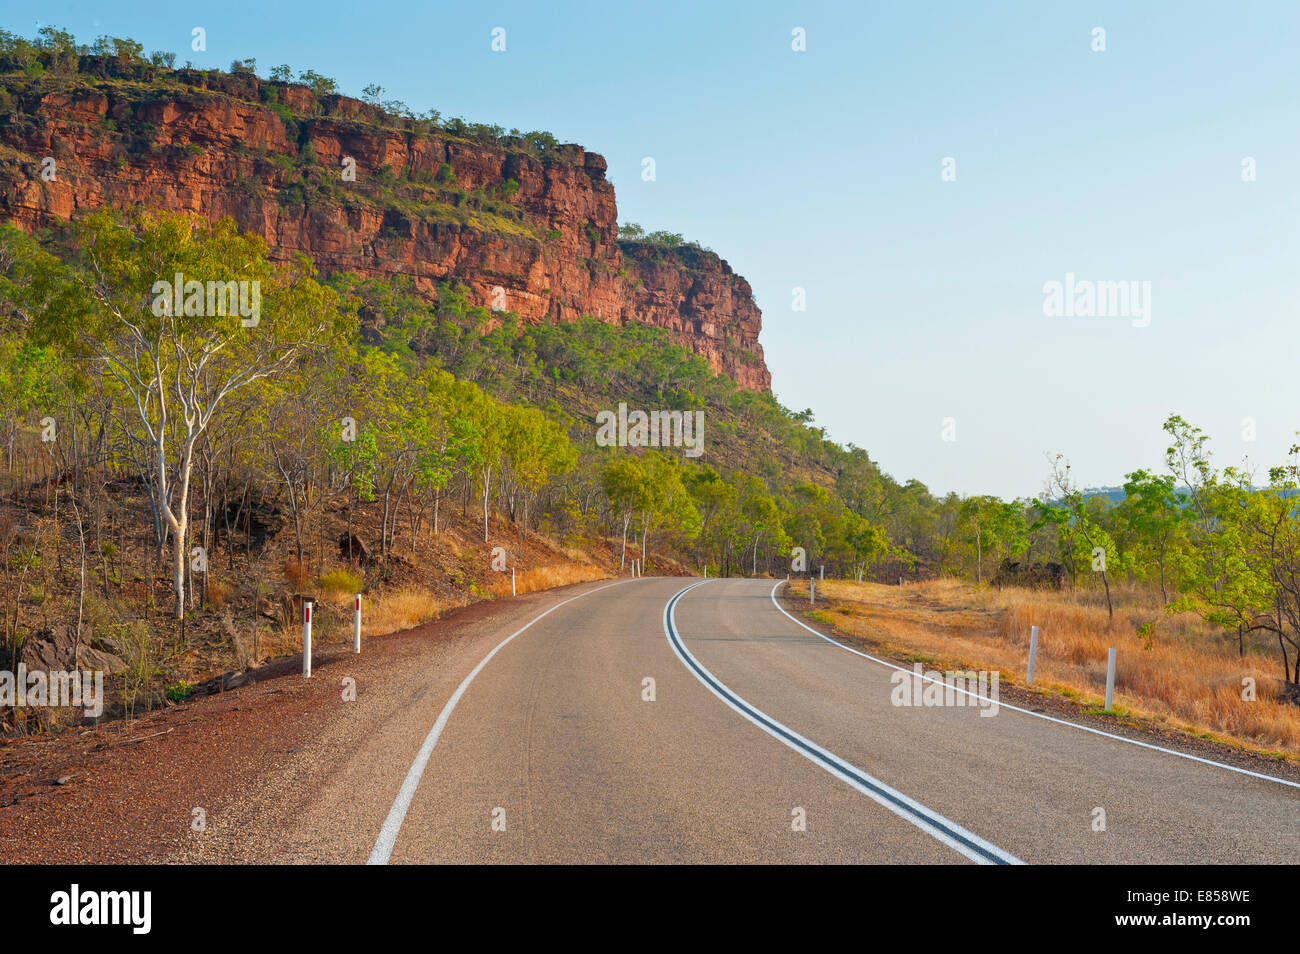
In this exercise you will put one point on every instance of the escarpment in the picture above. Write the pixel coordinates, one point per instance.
(522, 223)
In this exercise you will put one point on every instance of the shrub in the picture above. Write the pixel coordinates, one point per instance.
(180, 691)
(320, 85)
(341, 581)
(295, 574)
(134, 645)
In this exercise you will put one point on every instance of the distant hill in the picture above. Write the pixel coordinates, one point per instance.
(1113, 494)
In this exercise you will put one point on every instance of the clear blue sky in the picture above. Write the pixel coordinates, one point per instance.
(821, 170)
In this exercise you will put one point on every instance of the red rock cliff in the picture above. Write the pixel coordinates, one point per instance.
(538, 225)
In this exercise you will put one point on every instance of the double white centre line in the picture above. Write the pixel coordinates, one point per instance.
(932, 823)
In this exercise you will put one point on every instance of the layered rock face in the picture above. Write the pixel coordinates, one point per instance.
(534, 231)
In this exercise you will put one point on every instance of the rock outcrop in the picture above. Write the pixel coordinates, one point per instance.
(532, 227)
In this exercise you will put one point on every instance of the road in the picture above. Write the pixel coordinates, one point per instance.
(764, 742)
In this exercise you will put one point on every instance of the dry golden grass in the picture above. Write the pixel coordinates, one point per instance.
(295, 573)
(547, 577)
(572, 554)
(1179, 673)
(390, 611)
(384, 612)
(401, 609)
(280, 639)
(217, 593)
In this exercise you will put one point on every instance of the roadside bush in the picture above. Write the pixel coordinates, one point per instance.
(341, 581)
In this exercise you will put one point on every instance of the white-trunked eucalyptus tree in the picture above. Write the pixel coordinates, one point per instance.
(179, 315)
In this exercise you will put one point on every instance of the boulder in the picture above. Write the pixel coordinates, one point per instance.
(353, 548)
(91, 658)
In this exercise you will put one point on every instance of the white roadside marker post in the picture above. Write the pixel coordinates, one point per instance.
(1110, 679)
(512, 582)
(306, 639)
(812, 590)
(822, 572)
(1033, 654)
(356, 626)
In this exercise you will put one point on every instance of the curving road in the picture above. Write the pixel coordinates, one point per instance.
(532, 740)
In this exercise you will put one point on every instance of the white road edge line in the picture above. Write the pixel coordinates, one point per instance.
(931, 822)
(383, 849)
(1038, 715)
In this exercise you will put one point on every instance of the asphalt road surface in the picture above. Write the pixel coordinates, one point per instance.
(539, 738)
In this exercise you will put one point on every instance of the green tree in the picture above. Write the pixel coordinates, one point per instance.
(664, 500)
(866, 542)
(1083, 538)
(625, 484)
(713, 498)
(1153, 511)
(1241, 569)
(759, 513)
(174, 371)
(994, 526)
